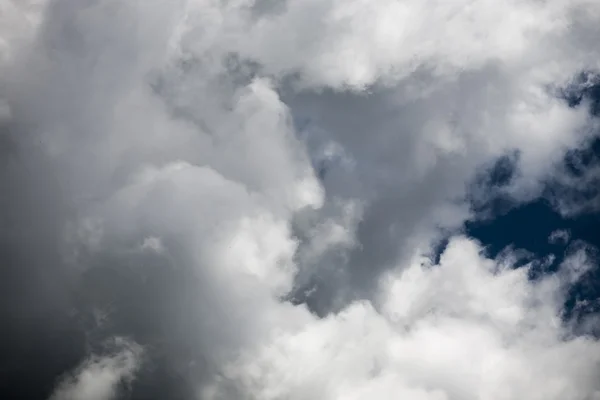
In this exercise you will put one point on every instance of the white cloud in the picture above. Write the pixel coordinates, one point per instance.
(176, 127)
(559, 236)
(577, 192)
(99, 377)
(466, 328)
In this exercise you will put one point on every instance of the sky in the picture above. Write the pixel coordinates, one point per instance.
(300, 199)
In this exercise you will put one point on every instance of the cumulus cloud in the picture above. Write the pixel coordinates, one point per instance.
(249, 189)
(470, 327)
(98, 378)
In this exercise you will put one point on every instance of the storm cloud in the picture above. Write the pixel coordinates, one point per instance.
(243, 199)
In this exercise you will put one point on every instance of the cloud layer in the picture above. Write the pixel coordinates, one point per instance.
(250, 192)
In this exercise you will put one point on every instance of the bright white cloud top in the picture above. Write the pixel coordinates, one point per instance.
(266, 149)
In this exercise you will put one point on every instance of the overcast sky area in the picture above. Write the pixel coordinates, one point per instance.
(300, 199)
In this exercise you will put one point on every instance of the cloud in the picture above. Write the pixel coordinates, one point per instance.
(208, 176)
(574, 190)
(470, 327)
(559, 236)
(98, 378)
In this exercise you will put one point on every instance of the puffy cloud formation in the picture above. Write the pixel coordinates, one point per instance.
(469, 327)
(249, 190)
(98, 377)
